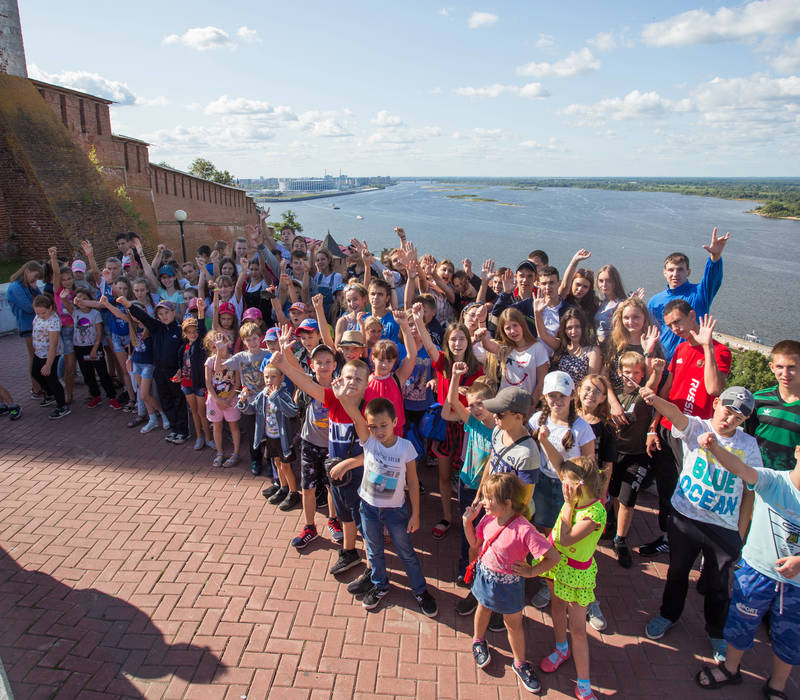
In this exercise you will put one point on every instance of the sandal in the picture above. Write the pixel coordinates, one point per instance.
(218, 460)
(231, 461)
(590, 696)
(137, 420)
(548, 666)
(770, 693)
(713, 684)
(440, 529)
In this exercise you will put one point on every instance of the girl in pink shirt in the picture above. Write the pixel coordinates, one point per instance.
(504, 538)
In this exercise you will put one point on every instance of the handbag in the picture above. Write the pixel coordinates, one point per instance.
(432, 426)
(331, 462)
(469, 574)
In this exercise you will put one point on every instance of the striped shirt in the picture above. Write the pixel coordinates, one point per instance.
(776, 425)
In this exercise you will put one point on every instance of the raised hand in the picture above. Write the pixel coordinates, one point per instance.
(707, 440)
(656, 364)
(539, 304)
(388, 275)
(544, 432)
(400, 315)
(717, 245)
(487, 269)
(278, 359)
(647, 394)
(244, 262)
(508, 282)
(459, 369)
(122, 301)
(705, 334)
(466, 263)
(410, 250)
(88, 251)
(286, 337)
(638, 293)
(52, 252)
(201, 265)
(582, 254)
(471, 513)
(201, 305)
(401, 234)
(479, 334)
(214, 254)
(338, 387)
(106, 275)
(161, 248)
(650, 339)
(318, 302)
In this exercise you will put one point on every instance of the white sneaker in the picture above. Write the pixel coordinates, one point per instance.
(199, 444)
(595, 616)
(152, 424)
(541, 599)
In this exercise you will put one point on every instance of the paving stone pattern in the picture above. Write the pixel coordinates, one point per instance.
(130, 568)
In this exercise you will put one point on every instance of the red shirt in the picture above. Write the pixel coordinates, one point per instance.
(443, 383)
(387, 388)
(688, 391)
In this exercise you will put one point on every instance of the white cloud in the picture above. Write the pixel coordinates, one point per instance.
(482, 19)
(94, 84)
(755, 18)
(446, 11)
(480, 134)
(788, 60)
(325, 124)
(577, 63)
(635, 105)
(248, 35)
(528, 90)
(545, 41)
(604, 41)
(385, 119)
(238, 105)
(435, 91)
(757, 93)
(237, 135)
(552, 145)
(400, 135)
(201, 38)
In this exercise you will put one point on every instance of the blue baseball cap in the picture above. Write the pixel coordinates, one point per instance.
(166, 270)
(273, 334)
(308, 324)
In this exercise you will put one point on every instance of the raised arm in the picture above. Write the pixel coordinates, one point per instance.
(140, 314)
(727, 459)
(298, 377)
(666, 408)
(241, 279)
(487, 270)
(108, 306)
(88, 251)
(360, 425)
(713, 378)
(453, 409)
(424, 335)
(147, 268)
(52, 253)
(407, 367)
(569, 273)
(324, 329)
(551, 341)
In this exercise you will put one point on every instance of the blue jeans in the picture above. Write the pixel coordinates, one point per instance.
(466, 496)
(395, 520)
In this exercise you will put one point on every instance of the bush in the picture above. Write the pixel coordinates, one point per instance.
(750, 369)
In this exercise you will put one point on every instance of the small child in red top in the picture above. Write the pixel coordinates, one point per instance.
(504, 538)
(385, 381)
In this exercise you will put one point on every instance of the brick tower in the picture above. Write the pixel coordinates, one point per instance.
(12, 50)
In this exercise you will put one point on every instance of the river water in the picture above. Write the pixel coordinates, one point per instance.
(633, 230)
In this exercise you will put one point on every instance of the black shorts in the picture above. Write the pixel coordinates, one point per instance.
(274, 450)
(312, 465)
(627, 476)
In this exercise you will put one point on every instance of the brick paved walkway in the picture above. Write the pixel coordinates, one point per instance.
(128, 568)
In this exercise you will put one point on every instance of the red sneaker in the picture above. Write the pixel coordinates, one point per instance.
(94, 402)
(116, 405)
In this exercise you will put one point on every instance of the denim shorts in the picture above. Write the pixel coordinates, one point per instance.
(121, 342)
(547, 499)
(143, 370)
(67, 334)
(189, 390)
(501, 593)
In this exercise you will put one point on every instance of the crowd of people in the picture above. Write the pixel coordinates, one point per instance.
(545, 401)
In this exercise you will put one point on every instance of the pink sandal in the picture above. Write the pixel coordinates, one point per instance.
(590, 696)
(440, 529)
(549, 667)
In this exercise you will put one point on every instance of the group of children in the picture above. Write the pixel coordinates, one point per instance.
(540, 401)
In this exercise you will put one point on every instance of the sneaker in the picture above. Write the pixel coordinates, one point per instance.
(47, 401)
(657, 627)
(335, 528)
(480, 652)
(541, 599)
(270, 490)
(116, 405)
(460, 582)
(527, 676)
(623, 552)
(255, 467)
(466, 606)
(36, 394)
(179, 439)
(169, 437)
(362, 584)
(59, 413)
(427, 603)
(199, 444)
(309, 534)
(14, 412)
(278, 495)
(657, 546)
(348, 558)
(151, 424)
(373, 597)
(496, 623)
(720, 648)
(595, 616)
(291, 501)
(94, 402)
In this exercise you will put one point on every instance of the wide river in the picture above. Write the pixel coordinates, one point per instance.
(633, 230)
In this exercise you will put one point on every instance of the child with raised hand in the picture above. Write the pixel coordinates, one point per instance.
(192, 360)
(225, 321)
(767, 579)
(389, 465)
(611, 292)
(46, 351)
(275, 429)
(64, 288)
(456, 347)
(571, 583)
(87, 339)
(140, 366)
(247, 363)
(504, 538)
(355, 297)
(221, 397)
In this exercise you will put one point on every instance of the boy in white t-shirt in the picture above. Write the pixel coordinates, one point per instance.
(706, 508)
(389, 463)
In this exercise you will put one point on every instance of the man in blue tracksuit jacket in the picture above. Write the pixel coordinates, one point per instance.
(699, 296)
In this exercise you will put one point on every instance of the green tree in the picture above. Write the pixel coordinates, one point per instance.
(288, 218)
(750, 369)
(204, 168)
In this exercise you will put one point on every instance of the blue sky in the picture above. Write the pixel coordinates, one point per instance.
(420, 88)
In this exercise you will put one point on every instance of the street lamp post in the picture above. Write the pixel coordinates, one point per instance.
(180, 217)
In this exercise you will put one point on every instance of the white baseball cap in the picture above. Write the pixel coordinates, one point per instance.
(558, 381)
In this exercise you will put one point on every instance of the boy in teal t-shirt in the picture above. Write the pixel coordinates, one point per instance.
(478, 425)
(768, 579)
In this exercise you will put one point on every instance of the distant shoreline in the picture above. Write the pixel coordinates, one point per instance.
(315, 195)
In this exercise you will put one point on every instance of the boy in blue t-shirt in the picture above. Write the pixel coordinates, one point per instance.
(769, 578)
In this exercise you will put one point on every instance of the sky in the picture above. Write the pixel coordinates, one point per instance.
(625, 88)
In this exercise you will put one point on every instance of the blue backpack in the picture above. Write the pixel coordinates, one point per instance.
(432, 426)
